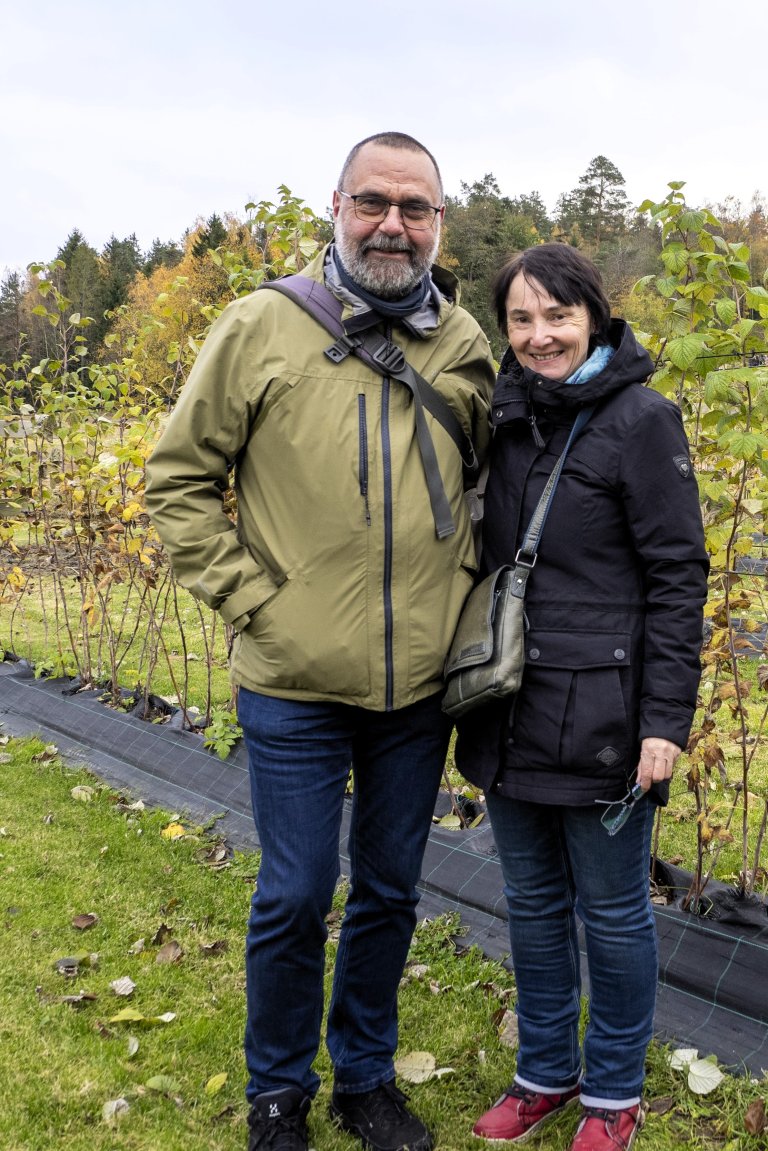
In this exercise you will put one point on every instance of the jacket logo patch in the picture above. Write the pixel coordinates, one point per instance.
(608, 756)
(683, 465)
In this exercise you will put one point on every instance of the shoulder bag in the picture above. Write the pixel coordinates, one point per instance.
(487, 655)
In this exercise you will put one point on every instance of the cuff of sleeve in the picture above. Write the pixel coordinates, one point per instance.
(242, 605)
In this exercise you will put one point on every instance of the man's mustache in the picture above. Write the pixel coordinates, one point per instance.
(387, 244)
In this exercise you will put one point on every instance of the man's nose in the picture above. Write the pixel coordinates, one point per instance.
(392, 224)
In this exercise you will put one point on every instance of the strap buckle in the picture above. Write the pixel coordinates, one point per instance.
(343, 347)
(526, 559)
(389, 356)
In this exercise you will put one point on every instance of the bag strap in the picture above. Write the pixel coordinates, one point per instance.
(526, 554)
(386, 358)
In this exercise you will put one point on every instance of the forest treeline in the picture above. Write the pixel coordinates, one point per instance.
(155, 306)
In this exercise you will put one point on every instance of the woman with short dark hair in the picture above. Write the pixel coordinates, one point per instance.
(575, 765)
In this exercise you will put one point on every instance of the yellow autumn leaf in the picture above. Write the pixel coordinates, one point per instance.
(173, 831)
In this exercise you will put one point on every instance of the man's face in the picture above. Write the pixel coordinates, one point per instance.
(387, 258)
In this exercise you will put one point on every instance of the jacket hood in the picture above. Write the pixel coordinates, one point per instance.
(518, 389)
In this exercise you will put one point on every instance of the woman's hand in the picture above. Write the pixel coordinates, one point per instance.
(657, 759)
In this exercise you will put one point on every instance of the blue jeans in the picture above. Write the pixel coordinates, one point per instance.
(300, 756)
(558, 862)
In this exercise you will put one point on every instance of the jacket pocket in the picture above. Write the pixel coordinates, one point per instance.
(573, 710)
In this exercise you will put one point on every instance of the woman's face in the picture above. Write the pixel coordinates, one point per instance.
(550, 338)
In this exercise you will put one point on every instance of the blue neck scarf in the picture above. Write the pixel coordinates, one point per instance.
(592, 366)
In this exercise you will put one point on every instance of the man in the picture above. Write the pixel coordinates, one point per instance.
(344, 595)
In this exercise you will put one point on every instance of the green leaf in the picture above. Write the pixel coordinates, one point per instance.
(215, 1083)
(675, 257)
(691, 220)
(742, 445)
(685, 350)
(163, 1084)
(726, 311)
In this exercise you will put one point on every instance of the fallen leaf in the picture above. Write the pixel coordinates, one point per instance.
(83, 922)
(704, 1076)
(683, 1057)
(173, 831)
(754, 1117)
(123, 986)
(133, 1046)
(83, 793)
(216, 948)
(163, 932)
(451, 821)
(50, 751)
(170, 952)
(215, 1083)
(508, 1029)
(68, 966)
(163, 1084)
(417, 1067)
(136, 948)
(77, 1000)
(131, 1015)
(113, 1109)
(128, 1015)
(662, 1104)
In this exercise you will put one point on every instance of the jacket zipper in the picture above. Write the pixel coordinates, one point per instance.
(363, 455)
(386, 452)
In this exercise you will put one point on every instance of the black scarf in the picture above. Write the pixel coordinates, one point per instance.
(380, 309)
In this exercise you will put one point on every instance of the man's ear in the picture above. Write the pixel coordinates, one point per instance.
(336, 204)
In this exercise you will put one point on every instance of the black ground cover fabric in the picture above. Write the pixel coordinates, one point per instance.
(713, 985)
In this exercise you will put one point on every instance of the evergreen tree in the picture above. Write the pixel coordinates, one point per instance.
(162, 254)
(80, 280)
(213, 235)
(598, 209)
(482, 229)
(11, 318)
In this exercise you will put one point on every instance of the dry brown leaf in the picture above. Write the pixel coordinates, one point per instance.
(218, 947)
(84, 921)
(754, 1118)
(170, 952)
(508, 1029)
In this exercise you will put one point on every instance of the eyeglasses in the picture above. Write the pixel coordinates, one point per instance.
(374, 210)
(613, 820)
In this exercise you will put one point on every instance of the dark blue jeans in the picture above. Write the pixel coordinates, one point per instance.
(559, 862)
(300, 756)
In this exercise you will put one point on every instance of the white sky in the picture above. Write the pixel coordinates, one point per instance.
(140, 116)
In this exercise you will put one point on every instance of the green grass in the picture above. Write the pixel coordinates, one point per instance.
(61, 857)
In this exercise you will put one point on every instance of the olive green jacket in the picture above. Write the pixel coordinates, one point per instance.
(333, 576)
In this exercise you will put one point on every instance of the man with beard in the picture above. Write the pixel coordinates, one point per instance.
(344, 595)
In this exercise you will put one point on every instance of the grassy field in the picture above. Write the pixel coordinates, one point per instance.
(120, 892)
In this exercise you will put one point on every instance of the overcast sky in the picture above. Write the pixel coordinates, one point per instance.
(142, 117)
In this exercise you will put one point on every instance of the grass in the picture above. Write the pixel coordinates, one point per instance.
(61, 1062)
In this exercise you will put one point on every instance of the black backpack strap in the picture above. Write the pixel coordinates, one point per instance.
(387, 359)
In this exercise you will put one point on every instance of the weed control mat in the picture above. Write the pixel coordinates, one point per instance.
(713, 984)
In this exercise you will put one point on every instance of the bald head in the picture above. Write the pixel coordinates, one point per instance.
(397, 140)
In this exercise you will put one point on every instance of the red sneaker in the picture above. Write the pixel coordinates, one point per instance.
(520, 1112)
(602, 1130)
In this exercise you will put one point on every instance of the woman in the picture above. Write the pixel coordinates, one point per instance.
(614, 607)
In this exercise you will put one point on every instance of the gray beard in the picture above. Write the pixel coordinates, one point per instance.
(388, 280)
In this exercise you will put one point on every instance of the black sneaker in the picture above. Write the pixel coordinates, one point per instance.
(278, 1121)
(381, 1119)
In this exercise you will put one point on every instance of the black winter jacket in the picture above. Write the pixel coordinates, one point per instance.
(614, 603)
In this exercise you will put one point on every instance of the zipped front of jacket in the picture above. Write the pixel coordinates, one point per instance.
(386, 456)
